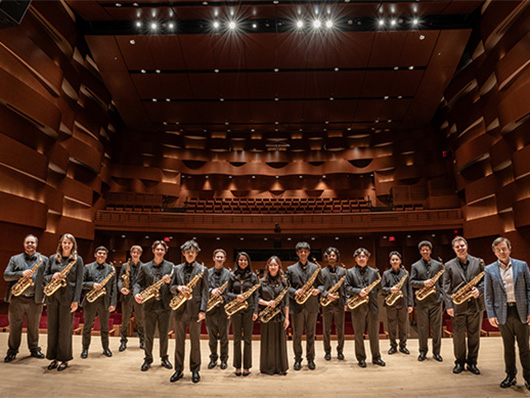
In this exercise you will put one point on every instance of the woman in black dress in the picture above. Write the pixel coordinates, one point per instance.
(64, 302)
(241, 280)
(273, 359)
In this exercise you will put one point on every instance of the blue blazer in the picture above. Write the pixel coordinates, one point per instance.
(495, 294)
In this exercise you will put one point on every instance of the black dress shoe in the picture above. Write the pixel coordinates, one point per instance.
(473, 369)
(224, 365)
(37, 354)
(62, 366)
(237, 373)
(176, 376)
(212, 364)
(9, 357)
(145, 366)
(52, 365)
(297, 365)
(404, 350)
(311, 365)
(84, 354)
(438, 357)
(459, 368)
(362, 363)
(508, 382)
(327, 357)
(340, 356)
(195, 377)
(246, 374)
(107, 352)
(379, 362)
(123, 346)
(166, 364)
(392, 350)
(422, 356)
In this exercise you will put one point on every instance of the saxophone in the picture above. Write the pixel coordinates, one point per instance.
(324, 301)
(464, 293)
(94, 294)
(56, 284)
(26, 281)
(154, 290)
(235, 305)
(307, 289)
(126, 277)
(424, 292)
(214, 301)
(392, 298)
(355, 301)
(270, 312)
(181, 298)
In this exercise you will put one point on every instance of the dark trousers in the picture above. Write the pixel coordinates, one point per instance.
(60, 321)
(514, 329)
(363, 318)
(398, 324)
(21, 307)
(471, 322)
(433, 314)
(127, 310)
(181, 322)
(309, 321)
(89, 312)
(333, 312)
(151, 319)
(242, 326)
(217, 324)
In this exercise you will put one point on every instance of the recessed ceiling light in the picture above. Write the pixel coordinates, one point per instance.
(216, 70)
(276, 70)
(381, 22)
(411, 67)
(329, 24)
(254, 25)
(154, 100)
(232, 25)
(143, 71)
(216, 25)
(317, 24)
(299, 24)
(132, 41)
(415, 21)
(171, 25)
(157, 71)
(336, 69)
(154, 26)
(221, 99)
(422, 37)
(138, 24)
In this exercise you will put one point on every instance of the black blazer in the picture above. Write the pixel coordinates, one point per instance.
(133, 275)
(327, 280)
(454, 279)
(419, 274)
(71, 293)
(90, 276)
(149, 274)
(269, 290)
(241, 282)
(297, 277)
(199, 300)
(354, 284)
(390, 279)
(17, 265)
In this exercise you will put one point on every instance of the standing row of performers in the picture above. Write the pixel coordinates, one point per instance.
(194, 293)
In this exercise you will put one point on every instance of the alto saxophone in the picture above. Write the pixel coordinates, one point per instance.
(270, 312)
(214, 301)
(126, 277)
(181, 298)
(154, 290)
(26, 281)
(324, 301)
(465, 292)
(424, 292)
(235, 305)
(56, 284)
(392, 298)
(307, 289)
(355, 301)
(94, 294)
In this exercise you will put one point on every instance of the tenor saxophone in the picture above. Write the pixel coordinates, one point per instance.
(424, 292)
(235, 305)
(153, 290)
(56, 284)
(465, 292)
(26, 281)
(181, 298)
(392, 298)
(214, 301)
(307, 289)
(126, 277)
(324, 301)
(94, 294)
(355, 301)
(270, 312)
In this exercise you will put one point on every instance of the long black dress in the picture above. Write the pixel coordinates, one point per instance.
(273, 358)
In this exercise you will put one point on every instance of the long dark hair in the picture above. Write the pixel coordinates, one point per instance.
(239, 271)
(267, 277)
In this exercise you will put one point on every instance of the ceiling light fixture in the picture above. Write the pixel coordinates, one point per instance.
(232, 25)
(329, 24)
(317, 24)
(154, 26)
(216, 25)
(299, 24)
(138, 24)
(381, 22)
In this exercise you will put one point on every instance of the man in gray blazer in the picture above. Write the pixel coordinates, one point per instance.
(507, 297)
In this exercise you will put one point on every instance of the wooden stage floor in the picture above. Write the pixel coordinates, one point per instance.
(120, 376)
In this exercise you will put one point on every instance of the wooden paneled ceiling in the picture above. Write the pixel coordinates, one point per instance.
(269, 81)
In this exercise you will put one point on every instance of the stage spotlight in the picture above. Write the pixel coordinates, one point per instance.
(138, 24)
(415, 21)
(317, 24)
(329, 24)
(171, 25)
(393, 22)
(232, 25)
(381, 22)
(299, 24)
(216, 25)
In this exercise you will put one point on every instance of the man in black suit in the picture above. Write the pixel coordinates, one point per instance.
(156, 310)
(29, 303)
(93, 275)
(468, 315)
(192, 312)
(430, 308)
(303, 315)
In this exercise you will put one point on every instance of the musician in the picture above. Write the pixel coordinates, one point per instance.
(62, 304)
(365, 315)
(94, 273)
(397, 314)
(303, 315)
(156, 310)
(429, 309)
(128, 303)
(217, 321)
(458, 272)
(273, 344)
(192, 312)
(241, 280)
(507, 297)
(29, 303)
(334, 311)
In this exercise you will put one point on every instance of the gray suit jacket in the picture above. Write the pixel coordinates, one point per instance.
(90, 276)
(354, 284)
(297, 277)
(495, 294)
(13, 272)
(199, 300)
(454, 279)
(419, 274)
